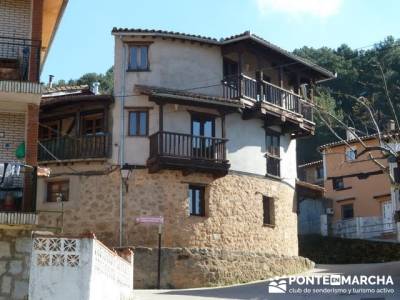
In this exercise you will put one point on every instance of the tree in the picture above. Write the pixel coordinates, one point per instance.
(106, 81)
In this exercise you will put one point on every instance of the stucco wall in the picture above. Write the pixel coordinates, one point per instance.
(366, 194)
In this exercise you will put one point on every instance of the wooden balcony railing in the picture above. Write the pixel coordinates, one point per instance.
(187, 146)
(260, 90)
(83, 147)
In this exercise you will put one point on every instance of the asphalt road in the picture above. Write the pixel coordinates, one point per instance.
(259, 290)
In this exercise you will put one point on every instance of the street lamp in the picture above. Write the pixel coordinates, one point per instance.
(126, 172)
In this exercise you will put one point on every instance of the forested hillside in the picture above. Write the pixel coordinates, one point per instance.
(360, 72)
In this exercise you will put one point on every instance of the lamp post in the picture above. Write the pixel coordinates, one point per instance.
(126, 171)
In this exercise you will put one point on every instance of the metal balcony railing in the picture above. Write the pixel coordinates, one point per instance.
(19, 59)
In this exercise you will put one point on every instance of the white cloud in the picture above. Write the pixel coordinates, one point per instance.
(297, 8)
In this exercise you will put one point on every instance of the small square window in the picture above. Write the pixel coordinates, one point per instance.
(196, 200)
(347, 211)
(338, 183)
(351, 154)
(58, 191)
(138, 58)
(268, 211)
(138, 123)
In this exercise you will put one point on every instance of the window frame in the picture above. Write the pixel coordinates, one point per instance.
(138, 127)
(268, 211)
(138, 46)
(191, 191)
(335, 181)
(342, 207)
(275, 154)
(50, 193)
(350, 150)
(92, 116)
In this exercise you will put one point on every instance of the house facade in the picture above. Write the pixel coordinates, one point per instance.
(362, 197)
(203, 133)
(27, 28)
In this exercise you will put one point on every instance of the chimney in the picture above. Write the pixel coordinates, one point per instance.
(51, 77)
(95, 87)
(391, 125)
(350, 133)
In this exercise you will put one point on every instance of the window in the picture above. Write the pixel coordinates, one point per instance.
(338, 183)
(93, 124)
(273, 154)
(268, 211)
(347, 211)
(196, 200)
(138, 123)
(351, 154)
(396, 174)
(138, 58)
(57, 191)
(319, 172)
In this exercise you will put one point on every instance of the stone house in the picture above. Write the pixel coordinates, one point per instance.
(27, 28)
(201, 132)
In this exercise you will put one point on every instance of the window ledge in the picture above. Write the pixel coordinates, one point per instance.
(343, 189)
(138, 70)
(269, 225)
(273, 177)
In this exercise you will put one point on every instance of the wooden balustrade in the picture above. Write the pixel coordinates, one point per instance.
(82, 147)
(186, 146)
(235, 87)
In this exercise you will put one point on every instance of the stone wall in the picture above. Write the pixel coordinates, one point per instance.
(234, 212)
(15, 251)
(233, 221)
(195, 267)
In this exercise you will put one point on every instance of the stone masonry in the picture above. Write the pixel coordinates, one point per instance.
(15, 252)
(233, 223)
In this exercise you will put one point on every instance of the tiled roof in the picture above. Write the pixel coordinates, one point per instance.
(309, 164)
(185, 95)
(339, 143)
(66, 89)
(225, 41)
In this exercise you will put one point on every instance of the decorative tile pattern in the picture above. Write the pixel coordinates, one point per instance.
(72, 260)
(54, 244)
(43, 260)
(57, 260)
(57, 252)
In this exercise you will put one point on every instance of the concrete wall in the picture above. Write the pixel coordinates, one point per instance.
(15, 251)
(66, 268)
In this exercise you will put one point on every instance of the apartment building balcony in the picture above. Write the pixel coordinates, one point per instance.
(17, 195)
(171, 150)
(19, 70)
(87, 147)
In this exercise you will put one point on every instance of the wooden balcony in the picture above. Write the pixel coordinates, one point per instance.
(74, 148)
(170, 150)
(261, 91)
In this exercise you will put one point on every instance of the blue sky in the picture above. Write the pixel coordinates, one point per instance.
(84, 42)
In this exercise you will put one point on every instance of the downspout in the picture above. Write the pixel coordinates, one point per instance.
(122, 145)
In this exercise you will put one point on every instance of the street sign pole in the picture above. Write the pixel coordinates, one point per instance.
(159, 257)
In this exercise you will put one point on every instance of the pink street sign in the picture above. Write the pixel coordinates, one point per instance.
(150, 220)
